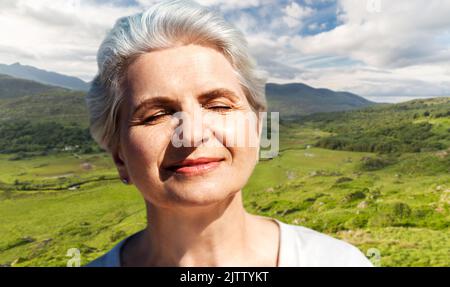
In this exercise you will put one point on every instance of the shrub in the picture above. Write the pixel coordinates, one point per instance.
(343, 179)
(375, 163)
(394, 214)
(356, 222)
(354, 196)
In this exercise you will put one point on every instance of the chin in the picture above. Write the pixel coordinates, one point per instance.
(198, 194)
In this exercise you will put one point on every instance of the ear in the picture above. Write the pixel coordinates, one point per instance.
(120, 163)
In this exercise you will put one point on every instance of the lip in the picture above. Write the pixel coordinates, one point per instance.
(192, 167)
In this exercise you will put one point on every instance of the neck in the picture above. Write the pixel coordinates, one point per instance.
(214, 235)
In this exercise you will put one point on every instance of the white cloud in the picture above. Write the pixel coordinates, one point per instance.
(64, 35)
(294, 14)
(403, 50)
(403, 33)
(60, 36)
(370, 82)
(400, 52)
(317, 26)
(225, 5)
(146, 3)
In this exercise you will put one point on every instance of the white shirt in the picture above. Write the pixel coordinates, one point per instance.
(299, 247)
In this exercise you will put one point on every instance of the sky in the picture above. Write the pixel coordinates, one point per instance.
(385, 51)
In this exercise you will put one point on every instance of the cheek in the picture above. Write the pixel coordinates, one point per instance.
(239, 135)
(236, 130)
(242, 166)
(145, 147)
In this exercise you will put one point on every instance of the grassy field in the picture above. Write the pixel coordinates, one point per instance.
(50, 204)
(393, 203)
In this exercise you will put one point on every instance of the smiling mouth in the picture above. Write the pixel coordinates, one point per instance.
(196, 167)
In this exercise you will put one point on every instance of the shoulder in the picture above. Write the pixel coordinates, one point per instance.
(306, 247)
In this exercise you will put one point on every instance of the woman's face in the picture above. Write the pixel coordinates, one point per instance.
(183, 104)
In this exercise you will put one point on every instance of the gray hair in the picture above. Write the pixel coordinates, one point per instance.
(164, 25)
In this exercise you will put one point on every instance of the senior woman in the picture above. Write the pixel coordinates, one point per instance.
(158, 70)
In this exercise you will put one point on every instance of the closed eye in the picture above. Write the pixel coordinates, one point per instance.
(155, 118)
(219, 108)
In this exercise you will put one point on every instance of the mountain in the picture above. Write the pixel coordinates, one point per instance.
(45, 77)
(299, 99)
(11, 87)
(290, 100)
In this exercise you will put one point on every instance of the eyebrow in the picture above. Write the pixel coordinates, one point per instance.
(216, 93)
(163, 101)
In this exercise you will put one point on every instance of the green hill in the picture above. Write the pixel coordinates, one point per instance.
(43, 119)
(61, 106)
(13, 87)
(51, 203)
(413, 126)
(395, 203)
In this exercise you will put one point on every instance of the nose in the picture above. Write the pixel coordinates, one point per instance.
(192, 131)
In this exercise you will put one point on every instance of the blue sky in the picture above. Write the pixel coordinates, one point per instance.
(382, 50)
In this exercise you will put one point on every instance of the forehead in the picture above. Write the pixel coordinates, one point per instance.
(184, 70)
